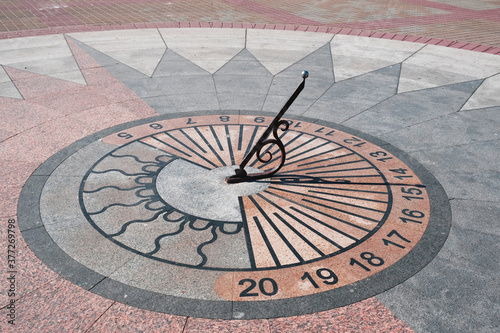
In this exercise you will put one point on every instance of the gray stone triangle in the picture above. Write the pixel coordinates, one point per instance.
(244, 63)
(454, 129)
(350, 97)
(242, 83)
(320, 67)
(318, 63)
(173, 64)
(486, 95)
(435, 66)
(408, 109)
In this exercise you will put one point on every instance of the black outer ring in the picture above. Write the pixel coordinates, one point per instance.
(50, 254)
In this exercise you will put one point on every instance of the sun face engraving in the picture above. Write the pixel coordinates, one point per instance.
(121, 199)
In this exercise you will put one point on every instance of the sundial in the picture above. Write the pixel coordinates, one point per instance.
(193, 214)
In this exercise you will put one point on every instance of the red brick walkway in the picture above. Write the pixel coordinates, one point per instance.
(466, 21)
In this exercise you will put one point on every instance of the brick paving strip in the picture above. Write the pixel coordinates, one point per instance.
(455, 26)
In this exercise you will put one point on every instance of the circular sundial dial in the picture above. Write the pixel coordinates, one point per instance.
(147, 207)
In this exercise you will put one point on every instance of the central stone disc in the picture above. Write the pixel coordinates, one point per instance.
(204, 193)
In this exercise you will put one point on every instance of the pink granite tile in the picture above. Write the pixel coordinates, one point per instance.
(374, 317)
(103, 90)
(36, 84)
(103, 83)
(124, 318)
(103, 117)
(75, 100)
(139, 108)
(20, 115)
(365, 316)
(3, 238)
(9, 195)
(31, 272)
(195, 325)
(39, 143)
(6, 289)
(59, 306)
(26, 147)
(97, 76)
(15, 172)
(5, 134)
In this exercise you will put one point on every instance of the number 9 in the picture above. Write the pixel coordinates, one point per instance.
(326, 275)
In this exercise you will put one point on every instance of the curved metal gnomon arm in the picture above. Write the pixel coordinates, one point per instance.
(240, 173)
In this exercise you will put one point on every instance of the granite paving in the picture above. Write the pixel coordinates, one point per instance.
(421, 75)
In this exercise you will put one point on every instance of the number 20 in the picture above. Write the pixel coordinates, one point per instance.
(262, 287)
